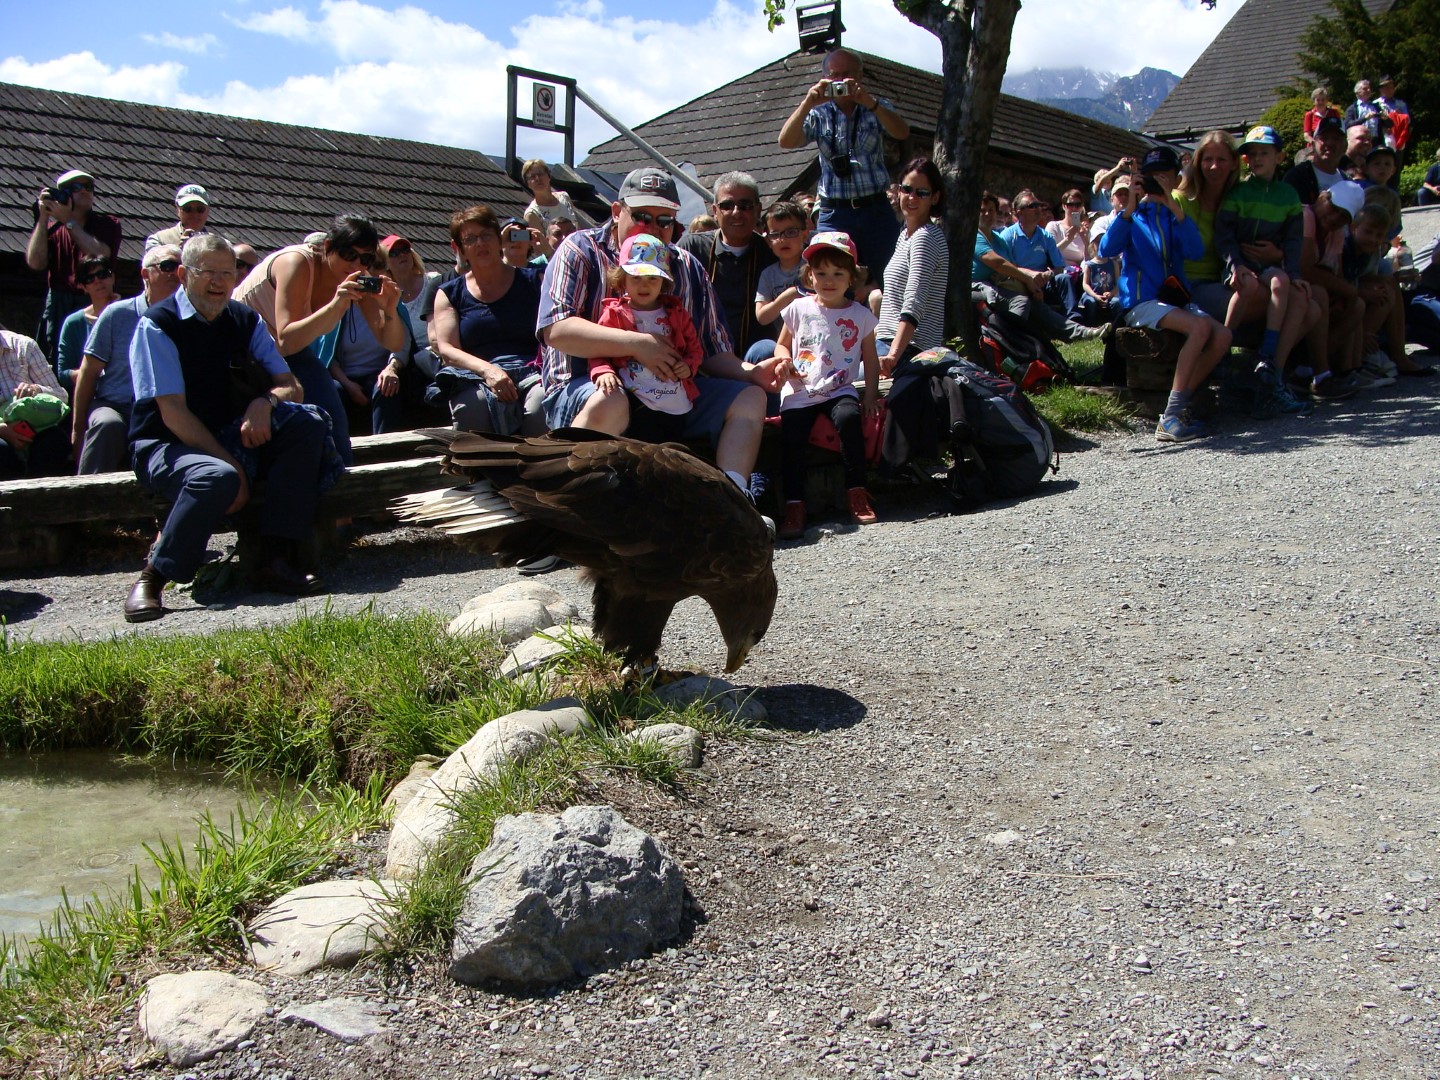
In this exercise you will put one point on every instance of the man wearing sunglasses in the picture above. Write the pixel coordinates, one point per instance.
(734, 255)
(100, 416)
(67, 230)
(731, 408)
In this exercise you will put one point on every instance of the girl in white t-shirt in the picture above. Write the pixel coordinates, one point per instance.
(824, 340)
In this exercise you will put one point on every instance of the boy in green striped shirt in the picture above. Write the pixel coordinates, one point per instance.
(1259, 231)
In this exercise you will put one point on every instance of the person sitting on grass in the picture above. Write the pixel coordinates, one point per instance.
(825, 340)
(1260, 229)
(1153, 237)
(657, 405)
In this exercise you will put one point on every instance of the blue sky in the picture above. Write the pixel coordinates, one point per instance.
(434, 70)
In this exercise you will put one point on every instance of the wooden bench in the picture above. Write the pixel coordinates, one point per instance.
(39, 518)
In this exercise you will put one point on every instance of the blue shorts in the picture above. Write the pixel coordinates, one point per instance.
(1149, 313)
(562, 404)
(1211, 297)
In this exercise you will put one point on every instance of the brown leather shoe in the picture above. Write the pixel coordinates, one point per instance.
(143, 604)
(279, 576)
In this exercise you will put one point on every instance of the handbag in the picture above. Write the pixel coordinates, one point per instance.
(1173, 292)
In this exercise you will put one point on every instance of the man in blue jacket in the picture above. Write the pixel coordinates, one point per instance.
(1153, 238)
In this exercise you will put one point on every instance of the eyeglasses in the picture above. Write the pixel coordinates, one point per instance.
(220, 275)
(98, 275)
(785, 234)
(475, 238)
(644, 217)
(167, 266)
(194, 208)
(730, 205)
(364, 258)
(918, 192)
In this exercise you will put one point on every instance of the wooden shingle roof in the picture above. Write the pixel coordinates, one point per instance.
(737, 126)
(269, 184)
(1234, 80)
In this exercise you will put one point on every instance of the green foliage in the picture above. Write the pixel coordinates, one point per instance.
(1342, 48)
(324, 698)
(1287, 117)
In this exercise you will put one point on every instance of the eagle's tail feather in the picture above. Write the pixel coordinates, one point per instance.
(469, 509)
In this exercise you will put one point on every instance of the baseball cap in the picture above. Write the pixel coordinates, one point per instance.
(1262, 135)
(1160, 159)
(1348, 196)
(191, 193)
(73, 175)
(1121, 181)
(391, 240)
(643, 255)
(836, 241)
(1329, 125)
(650, 187)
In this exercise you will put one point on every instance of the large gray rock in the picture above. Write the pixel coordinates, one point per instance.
(195, 1015)
(423, 822)
(556, 897)
(544, 647)
(508, 620)
(324, 924)
(555, 603)
(720, 698)
(347, 1019)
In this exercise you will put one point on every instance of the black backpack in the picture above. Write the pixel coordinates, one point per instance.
(1001, 445)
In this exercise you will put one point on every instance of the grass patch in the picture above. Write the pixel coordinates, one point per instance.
(325, 698)
(1070, 408)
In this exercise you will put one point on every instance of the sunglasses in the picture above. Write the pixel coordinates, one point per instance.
(167, 266)
(1075, 205)
(918, 192)
(79, 185)
(644, 217)
(399, 249)
(99, 275)
(364, 258)
(785, 234)
(735, 204)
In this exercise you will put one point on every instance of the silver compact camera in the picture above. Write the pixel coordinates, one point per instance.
(837, 88)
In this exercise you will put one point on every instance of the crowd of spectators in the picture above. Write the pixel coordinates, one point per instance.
(230, 367)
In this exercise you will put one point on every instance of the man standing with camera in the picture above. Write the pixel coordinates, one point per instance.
(849, 124)
(66, 231)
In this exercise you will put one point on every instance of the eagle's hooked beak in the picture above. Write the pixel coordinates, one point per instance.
(736, 656)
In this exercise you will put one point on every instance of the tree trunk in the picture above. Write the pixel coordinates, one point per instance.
(975, 42)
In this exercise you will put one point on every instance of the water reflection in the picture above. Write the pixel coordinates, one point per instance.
(78, 820)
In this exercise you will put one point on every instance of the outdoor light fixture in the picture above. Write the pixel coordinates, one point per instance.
(819, 25)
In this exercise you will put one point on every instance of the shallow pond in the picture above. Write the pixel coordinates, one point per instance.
(78, 820)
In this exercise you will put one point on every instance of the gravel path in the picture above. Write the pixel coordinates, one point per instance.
(1133, 779)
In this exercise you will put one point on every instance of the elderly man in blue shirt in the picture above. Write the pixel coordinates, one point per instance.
(216, 408)
(848, 124)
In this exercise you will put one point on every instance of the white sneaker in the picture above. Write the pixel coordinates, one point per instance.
(1380, 364)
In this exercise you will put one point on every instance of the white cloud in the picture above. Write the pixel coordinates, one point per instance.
(199, 44)
(409, 73)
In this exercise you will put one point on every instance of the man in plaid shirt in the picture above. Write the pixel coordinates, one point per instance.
(730, 410)
(848, 124)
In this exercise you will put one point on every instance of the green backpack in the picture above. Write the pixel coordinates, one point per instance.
(40, 411)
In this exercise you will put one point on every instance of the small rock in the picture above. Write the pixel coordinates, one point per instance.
(323, 924)
(720, 698)
(1003, 838)
(879, 1018)
(192, 1016)
(682, 743)
(508, 620)
(1141, 963)
(540, 649)
(346, 1019)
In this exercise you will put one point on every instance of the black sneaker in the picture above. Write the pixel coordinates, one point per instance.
(1331, 389)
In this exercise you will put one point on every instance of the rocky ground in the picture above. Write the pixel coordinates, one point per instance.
(1135, 778)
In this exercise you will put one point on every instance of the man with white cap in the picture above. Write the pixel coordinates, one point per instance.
(67, 230)
(193, 205)
(730, 410)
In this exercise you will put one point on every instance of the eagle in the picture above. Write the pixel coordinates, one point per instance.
(650, 523)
